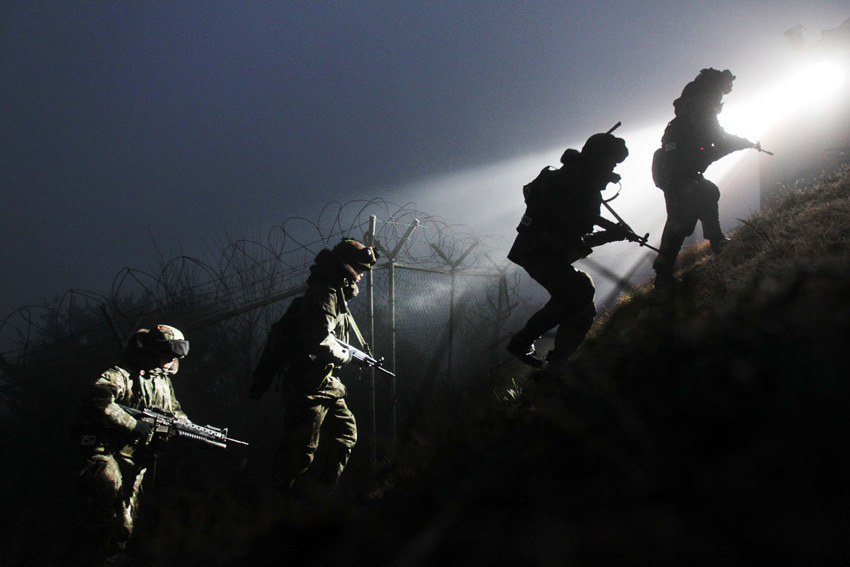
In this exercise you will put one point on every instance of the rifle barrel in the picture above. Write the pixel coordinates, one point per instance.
(614, 127)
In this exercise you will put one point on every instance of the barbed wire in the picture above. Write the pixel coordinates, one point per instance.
(245, 269)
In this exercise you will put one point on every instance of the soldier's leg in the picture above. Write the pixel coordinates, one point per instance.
(129, 505)
(100, 486)
(341, 436)
(302, 427)
(551, 275)
(577, 314)
(681, 221)
(708, 212)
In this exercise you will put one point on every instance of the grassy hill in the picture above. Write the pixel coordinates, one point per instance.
(703, 426)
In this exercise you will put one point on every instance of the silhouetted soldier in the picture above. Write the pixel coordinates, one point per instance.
(562, 209)
(692, 141)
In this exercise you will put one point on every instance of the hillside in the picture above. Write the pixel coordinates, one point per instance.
(704, 426)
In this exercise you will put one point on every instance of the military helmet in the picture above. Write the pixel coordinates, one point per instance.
(355, 254)
(713, 79)
(602, 146)
(165, 339)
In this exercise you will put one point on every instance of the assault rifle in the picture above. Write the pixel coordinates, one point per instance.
(167, 425)
(364, 358)
(757, 147)
(631, 236)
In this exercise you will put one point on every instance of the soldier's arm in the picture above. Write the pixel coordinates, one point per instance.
(318, 323)
(732, 143)
(707, 127)
(101, 403)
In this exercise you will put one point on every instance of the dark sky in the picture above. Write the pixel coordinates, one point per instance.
(128, 123)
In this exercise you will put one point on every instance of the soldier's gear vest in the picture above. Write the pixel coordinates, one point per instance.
(541, 233)
(679, 155)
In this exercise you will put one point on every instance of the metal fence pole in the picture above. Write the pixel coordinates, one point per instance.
(453, 266)
(391, 305)
(500, 306)
(501, 300)
(370, 306)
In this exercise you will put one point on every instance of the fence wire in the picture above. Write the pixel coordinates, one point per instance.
(437, 329)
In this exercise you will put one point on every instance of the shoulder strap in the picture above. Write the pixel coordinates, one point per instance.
(357, 333)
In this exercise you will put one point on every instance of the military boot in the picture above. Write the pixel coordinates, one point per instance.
(665, 280)
(718, 244)
(522, 347)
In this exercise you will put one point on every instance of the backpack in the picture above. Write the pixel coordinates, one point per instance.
(661, 174)
(674, 156)
(531, 192)
(282, 344)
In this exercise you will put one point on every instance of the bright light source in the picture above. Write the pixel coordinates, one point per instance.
(816, 83)
(813, 85)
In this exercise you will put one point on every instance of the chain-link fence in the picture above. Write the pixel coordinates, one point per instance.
(433, 309)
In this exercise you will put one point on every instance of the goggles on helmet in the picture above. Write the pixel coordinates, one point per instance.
(180, 348)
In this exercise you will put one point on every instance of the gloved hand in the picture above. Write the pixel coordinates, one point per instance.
(619, 232)
(142, 429)
(745, 144)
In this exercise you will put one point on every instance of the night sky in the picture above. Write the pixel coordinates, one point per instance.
(128, 124)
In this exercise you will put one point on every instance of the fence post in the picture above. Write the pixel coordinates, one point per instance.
(500, 305)
(370, 306)
(501, 300)
(453, 266)
(391, 256)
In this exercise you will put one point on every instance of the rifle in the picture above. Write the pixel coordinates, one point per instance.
(364, 358)
(167, 425)
(757, 147)
(631, 236)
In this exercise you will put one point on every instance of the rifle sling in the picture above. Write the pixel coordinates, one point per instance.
(358, 334)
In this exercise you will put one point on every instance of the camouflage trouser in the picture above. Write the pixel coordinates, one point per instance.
(109, 488)
(688, 201)
(570, 308)
(306, 417)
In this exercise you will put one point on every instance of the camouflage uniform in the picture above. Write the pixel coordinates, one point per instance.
(557, 230)
(692, 141)
(116, 457)
(314, 394)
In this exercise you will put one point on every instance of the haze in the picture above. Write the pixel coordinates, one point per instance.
(129, 124)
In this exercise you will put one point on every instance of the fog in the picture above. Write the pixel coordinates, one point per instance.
(137, 127)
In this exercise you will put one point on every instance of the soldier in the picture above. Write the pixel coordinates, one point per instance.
(116, 444)
(314, 394)
(562, 209)
(692, 141)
